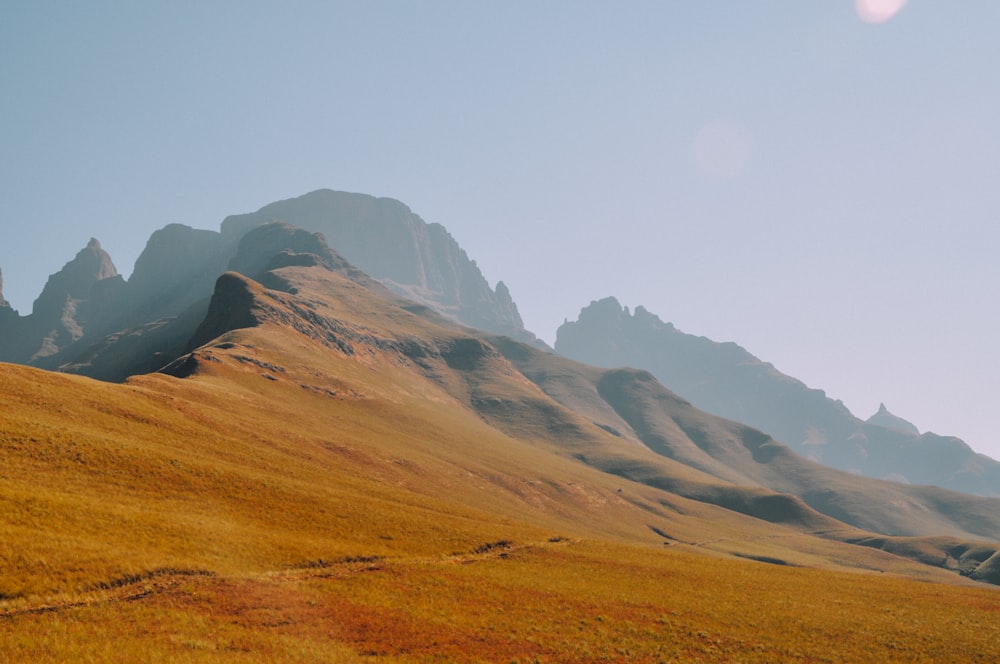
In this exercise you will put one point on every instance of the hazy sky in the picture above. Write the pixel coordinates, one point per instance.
(820, 188)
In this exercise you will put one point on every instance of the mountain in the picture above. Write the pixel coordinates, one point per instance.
(384, 238)
(87, 300)
(725, 379)
(326, 470)
(74, 299)
(291, 278)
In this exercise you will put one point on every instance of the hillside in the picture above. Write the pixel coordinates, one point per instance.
(331, 470)
(725, 379)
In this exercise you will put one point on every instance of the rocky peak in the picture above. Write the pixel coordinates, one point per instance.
(884, 418)
(594, 336)
(74, 297)
(385, 239)
(3, 303)
(74, 281)
(177, 267)
(259, 248)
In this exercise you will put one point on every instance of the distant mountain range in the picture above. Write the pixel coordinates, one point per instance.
(89, 320)
(725, 379)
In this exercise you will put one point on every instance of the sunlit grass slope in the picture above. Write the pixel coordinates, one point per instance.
(348, 478)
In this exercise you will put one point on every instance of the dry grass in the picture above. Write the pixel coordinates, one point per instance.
(291, 502)
(566, 601)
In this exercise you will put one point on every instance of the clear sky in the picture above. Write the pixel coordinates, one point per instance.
(817, 181)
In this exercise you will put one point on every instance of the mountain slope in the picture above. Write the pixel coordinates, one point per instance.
(334, 471)
(580, 411)
(727, 380)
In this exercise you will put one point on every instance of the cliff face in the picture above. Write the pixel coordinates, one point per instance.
(725, 379)
(385, 239)
(178, 267)
(76, 297)
(4, 304)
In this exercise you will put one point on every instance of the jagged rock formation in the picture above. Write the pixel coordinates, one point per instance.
(87, 308)
(80, 295)
(385, 239)
(725, 379)
(4, 304)
(9, 323)
(149, 346)
(884, 418)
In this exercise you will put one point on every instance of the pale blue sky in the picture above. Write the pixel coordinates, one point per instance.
(782, 174)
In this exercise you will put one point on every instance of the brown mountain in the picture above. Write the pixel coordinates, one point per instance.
(327, 470)
(725, 379)
(529, 393)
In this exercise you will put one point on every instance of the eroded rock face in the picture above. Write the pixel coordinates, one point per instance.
(4, 304)
(76, 278)
(385, 239)
(178, 267)
(81, 293)
(259, 247)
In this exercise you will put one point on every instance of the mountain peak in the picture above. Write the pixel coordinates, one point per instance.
(388, 241)
(90, 265)
(886, 419)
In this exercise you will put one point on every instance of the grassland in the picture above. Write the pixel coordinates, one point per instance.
(552, 601)
(287, 502)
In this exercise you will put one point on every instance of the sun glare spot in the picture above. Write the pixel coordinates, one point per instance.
(878, 11)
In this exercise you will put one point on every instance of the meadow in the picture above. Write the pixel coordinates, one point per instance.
(284, 502)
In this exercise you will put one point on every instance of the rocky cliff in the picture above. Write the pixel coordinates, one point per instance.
(4, 304)
(725, 379)
(385, 239)
(79, 296)
(178, 267)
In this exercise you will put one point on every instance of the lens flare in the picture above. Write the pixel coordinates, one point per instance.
(878, 11)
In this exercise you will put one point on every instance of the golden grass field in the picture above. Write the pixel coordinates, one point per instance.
(289, 503)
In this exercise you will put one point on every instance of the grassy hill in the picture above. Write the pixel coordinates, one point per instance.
(335, 475)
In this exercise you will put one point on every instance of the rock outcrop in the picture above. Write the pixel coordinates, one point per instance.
(83, 293)
(4, 304)
(178, 267)
(725, 379)
(884, 418)
(385, 239)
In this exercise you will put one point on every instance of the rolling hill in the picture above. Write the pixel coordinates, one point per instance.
(323, 469)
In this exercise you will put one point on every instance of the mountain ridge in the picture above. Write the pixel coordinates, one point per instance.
(726, 379)
(324, 466)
